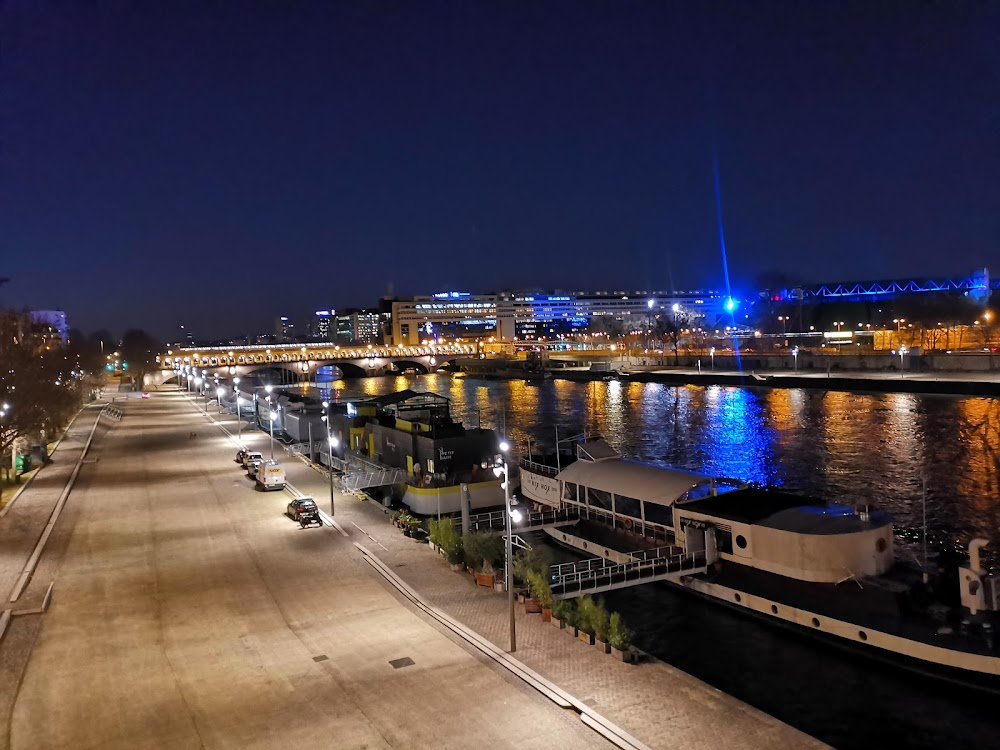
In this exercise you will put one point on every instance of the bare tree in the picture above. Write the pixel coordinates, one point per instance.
(669, 327)
(138, 353)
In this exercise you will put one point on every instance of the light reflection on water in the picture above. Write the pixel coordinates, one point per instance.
(846, 447)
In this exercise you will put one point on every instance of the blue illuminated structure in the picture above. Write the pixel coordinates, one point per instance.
(977, 285)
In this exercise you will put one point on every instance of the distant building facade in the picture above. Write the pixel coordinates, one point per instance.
(509, 316)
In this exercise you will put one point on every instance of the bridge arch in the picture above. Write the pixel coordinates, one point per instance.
(410, 364)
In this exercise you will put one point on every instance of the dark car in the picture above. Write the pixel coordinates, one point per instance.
(302, 507)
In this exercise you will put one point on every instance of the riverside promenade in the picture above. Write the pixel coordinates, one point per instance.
(187, 611)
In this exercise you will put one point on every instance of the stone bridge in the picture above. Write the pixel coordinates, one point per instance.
(295, 362)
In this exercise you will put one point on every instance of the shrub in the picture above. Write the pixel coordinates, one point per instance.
(432, 531)
(540, 589)
(450, 541)
(619, 636)
(601, 622)
(483, 550)
(587, 610)
(537, 559)
(567, 611)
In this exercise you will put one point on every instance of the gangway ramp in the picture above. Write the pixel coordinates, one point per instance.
(532, 521)
(596, 575)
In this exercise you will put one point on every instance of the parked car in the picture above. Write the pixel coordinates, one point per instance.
(241, 455)
(249, 456)
(302, 507)
(253, 465)
(270, 476)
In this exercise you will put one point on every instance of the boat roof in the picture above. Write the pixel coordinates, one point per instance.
(633, 479)
(784, 511)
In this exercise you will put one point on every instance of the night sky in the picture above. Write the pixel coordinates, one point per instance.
(219, 163)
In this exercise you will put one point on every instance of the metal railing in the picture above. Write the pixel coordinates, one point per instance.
(638, 526)
(596, 574)
(496, 521)
(537, 468)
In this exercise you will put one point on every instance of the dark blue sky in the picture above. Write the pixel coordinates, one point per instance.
(218, 163)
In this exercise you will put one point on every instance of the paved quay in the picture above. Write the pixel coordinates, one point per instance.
(654, 702)
(189, 612)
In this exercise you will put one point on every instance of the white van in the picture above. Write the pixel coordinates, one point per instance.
(270, 476)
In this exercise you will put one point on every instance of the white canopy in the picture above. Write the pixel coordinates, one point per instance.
(633, 479)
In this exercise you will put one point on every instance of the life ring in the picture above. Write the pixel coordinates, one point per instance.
(628, 524)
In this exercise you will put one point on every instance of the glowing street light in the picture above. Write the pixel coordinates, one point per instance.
(272, 415)
(510, 515)
(711, 353)
(218, 392)
(795, 357)
(902, 351)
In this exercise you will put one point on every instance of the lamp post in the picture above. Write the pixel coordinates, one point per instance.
(239, 414)
(795, 357)
(510, 515)
(13, 446)
(711, 353)
(272, 415)
(783, 320)
(218, 392)
(332, 442)
(902, 352)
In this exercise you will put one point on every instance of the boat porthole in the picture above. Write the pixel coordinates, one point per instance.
(815, 622)
(585, 545)
(607, 553)
(774, 609)
(741, 541)
(564, 537)
(880, 545)
(738, 598)
(862, 635)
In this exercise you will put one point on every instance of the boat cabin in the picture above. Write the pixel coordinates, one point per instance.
(792, 536)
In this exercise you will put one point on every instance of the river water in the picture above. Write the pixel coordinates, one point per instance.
(907, 454)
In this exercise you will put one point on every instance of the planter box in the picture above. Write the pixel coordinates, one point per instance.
(432, 546)
(602, 646)
(556, 622)
(485, 579)
(457, 567)
(520, 598)
(625, 656)
(532, 607)
(586, 638)
(499, 587)
(546, 615)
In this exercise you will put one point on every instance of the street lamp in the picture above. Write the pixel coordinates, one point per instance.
(838, 323)
(902, 351)
(332, 442)
(783, 320)
(218, 392)
(510, 514)
(272, 415)
(795, 357)
(711, 353)
(239, 413)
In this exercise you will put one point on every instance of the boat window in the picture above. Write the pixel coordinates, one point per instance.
(599, 498)
(724, 541)
(627, 506)
(661, 514)
(569, 491)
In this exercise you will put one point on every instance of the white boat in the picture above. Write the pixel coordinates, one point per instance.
(825, 568)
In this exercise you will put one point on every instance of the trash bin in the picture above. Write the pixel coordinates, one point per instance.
(23, 464)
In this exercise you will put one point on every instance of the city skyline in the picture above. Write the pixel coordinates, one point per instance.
(160, 171)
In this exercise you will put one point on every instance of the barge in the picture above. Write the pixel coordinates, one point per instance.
(820, 567)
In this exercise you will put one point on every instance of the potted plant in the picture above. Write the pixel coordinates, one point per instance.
(542, 593)
(432, 533)
(559, 613)
(619, 638)
(587, 609)
(572, 618)
(602, 628)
